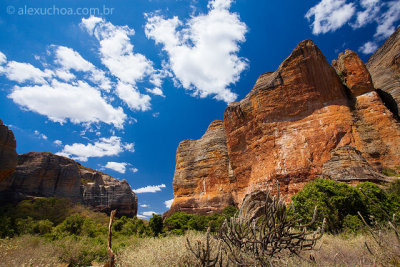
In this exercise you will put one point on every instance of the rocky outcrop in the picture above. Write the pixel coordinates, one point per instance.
(45, 174)
(351, 69)
(8, 154)
(203, 174)
(348, 165)
(285, 128)
(284, 131)
(253, 206)
(384, 66)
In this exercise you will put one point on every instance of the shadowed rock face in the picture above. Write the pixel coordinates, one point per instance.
(384, 66)
(45, 174)
(347, 165)
(8, 154)
(284, 130)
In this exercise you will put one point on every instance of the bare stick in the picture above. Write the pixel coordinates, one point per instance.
(111, 255)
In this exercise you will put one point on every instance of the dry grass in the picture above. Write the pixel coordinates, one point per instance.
(331, 250)
(28, 251)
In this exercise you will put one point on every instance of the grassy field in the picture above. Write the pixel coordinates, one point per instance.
(331, 250)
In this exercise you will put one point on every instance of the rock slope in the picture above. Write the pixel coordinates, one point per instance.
(45, 174)
(8, 154)
(285, 129)
(384, 66)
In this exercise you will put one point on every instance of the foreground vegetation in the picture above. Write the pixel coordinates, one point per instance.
(46, 231)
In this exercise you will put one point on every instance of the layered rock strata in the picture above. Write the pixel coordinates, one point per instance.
(384, 66)
(284, 131)
(348, 165)
(45, 174)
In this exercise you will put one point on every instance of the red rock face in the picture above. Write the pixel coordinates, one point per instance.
(202, 174)
(353, 72)
(286, 127)
(285, 130)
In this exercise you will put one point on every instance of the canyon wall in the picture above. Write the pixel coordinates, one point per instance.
(48, 175)
(285, 130)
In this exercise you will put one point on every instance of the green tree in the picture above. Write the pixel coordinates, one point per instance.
(156, 224)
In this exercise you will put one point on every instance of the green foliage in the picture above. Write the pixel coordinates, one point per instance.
(179, 222)
(391, 172)
(156, 224)
(339, 203)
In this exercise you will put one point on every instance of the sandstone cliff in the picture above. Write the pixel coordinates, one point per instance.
(8, 154)
(285, 129)
(384, 66)
(45, 174)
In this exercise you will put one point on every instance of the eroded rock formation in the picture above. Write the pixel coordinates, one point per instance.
(348, 165)
(8, 154)
(45, 174)
(285, 129)
(384, 66)
(203, 173)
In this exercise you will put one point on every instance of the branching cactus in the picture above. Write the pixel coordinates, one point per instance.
(205, 253)
(256, 242)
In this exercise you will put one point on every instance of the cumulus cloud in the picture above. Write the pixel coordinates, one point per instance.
(368, 48)
(25, 72)
(203, 52)
(3, 58)
(68, 59)
(118, 56)
(330, 15)
(168, 203)
(116, 166)
(103, 147)
(149, 189)
(134, 170)
(60, 101)
(144, 206)
(141, 216)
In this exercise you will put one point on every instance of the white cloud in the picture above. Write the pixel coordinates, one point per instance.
(117, 55)
(132, 97)
(144, 206)
(371, 10)
(203, 53)
(58, 142)
(168, 203)
(134, 170)
(24, 72)
(368, 48)
(3, 58)
(149, 213)
(156, 91)
(386, 22)
(149, 189)
(141, 216)
(116, 166)
(60, 101)
(104, 147)
(330, 15)
(69, 59)
(40, 135)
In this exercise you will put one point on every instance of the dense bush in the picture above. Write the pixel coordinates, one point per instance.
(340, 203)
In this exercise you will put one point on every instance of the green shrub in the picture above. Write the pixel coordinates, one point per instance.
(156, 224)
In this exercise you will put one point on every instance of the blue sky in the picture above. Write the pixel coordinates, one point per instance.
(118, 91)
